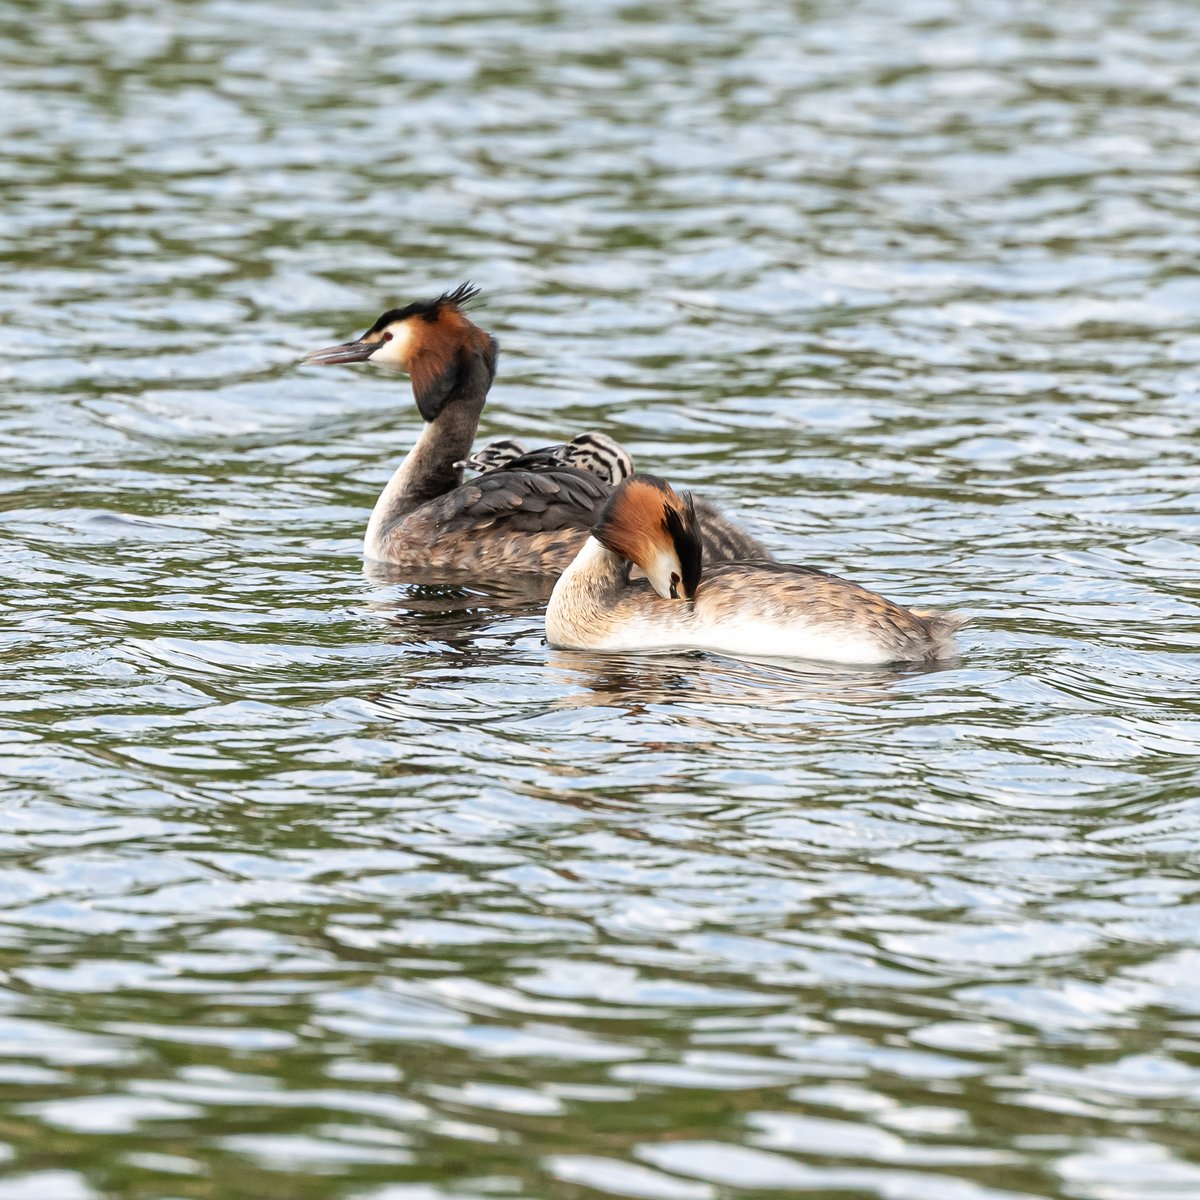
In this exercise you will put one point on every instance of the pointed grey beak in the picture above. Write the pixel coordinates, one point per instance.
(347, 352)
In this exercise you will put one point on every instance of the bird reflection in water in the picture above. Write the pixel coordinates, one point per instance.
(635, 683)
(453, 609)
(721, 696)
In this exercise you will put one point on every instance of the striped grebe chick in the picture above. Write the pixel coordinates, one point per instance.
(511, 521)
(608, 460)
(596, 452)
(592, 451)
(493, 456)
(754, 609)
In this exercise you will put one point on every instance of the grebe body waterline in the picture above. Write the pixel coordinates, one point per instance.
(748, 609)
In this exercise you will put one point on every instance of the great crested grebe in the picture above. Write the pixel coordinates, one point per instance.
(592, 451)
(511, 521)
(756, 609)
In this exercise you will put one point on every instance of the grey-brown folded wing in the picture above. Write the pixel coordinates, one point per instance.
(782, 591)
(520, 502)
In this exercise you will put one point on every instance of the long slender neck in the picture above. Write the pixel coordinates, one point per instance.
(428, 470)
(581, 604)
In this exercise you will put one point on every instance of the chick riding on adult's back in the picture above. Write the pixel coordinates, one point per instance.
(507, 522)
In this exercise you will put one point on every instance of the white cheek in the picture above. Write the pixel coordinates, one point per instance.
(659, 570)
(395, 353)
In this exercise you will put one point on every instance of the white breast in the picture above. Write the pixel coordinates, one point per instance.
(751, 639)
(796, 639)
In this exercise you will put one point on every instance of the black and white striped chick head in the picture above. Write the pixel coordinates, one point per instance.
(594, 452)
(495, 456)
(598, 453)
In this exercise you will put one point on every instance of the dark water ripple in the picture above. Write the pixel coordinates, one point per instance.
(317, 884)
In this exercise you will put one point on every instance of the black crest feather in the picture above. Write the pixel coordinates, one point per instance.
(461, 295)
(427, 309)
(685, 534)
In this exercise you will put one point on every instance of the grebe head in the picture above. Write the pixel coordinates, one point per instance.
(597, 452)
(647, 522)
(426, 339)
(493, 456)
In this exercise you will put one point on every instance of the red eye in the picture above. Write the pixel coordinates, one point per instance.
(387, 337)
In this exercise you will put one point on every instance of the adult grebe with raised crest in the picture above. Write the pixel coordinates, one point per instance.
(512, 521)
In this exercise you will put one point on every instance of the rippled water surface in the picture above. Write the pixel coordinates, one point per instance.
(322, 885)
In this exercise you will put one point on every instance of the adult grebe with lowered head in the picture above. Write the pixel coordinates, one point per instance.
(754, 609)
(511, 521)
